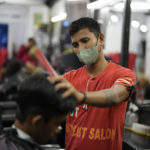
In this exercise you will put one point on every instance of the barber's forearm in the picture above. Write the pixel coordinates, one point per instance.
(102, 98)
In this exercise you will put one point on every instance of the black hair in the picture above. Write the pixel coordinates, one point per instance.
(36, 95)
(13, 66)
(82, 23)
(31, 39)
(5, 63)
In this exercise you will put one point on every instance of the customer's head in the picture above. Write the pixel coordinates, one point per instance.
(41, 108)
(83, 23)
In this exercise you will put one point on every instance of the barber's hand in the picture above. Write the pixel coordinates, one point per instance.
(62, 83)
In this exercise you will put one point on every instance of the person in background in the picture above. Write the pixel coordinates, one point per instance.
(9, 68)
(24, 52)
(101, 88)
(3, 70)
(141, 91)
(12, 73)
(40, 113)
(14, 66)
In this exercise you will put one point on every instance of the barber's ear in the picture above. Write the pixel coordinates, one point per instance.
(37, 120)
(101, 39)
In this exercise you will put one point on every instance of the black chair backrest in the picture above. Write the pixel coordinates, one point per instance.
(7, 113)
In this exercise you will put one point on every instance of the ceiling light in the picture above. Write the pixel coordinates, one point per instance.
(119, 6)
(59, 17)
(140, 5)
(135, 6)
(101, 3)
(23, 2)
(135, 24)
(143, 28)
(73, 0)
(114, 18)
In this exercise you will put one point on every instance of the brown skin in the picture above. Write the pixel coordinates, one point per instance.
(38, 129)
(3, 70)
(84, 39)
(30, 44)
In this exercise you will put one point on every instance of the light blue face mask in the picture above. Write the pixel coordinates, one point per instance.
(88, 56)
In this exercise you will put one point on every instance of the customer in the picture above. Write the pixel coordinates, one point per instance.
(40, 113)
(99, 118)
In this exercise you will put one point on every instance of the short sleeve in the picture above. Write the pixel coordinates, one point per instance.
(127, 78)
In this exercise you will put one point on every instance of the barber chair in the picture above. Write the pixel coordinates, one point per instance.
(7, 113)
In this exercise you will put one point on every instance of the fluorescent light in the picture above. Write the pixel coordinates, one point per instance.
(140, 5)
(73, 0)
(135, 24)
(23, 2)
(114, 18)
(135, 6)
(143, 28)
(59, 17)
(100, 3)
(119, 6)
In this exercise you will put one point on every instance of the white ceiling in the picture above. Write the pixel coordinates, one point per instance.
(39, 2)
(23, 2)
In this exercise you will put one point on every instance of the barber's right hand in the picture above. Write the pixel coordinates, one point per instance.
(62, 83)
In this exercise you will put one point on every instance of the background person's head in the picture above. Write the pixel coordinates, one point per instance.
(14, 66)
(3, 70)
(41, 108)
(31, 42)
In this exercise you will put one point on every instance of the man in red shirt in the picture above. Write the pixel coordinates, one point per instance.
(98, 120)
(23, 53)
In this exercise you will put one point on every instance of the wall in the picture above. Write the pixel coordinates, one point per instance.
(38, 9)
(147, 56)
(76, 10)
(113, 38)
(15, 17)
(20, 19)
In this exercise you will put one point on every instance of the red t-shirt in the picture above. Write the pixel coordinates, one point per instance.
(97, 128)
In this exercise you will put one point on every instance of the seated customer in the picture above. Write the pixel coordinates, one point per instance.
(40, 112)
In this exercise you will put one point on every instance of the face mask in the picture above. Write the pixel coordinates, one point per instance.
(88, 56)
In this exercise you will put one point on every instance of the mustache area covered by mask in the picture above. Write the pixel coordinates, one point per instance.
(88, 56)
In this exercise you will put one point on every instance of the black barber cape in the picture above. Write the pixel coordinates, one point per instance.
(9, 140)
